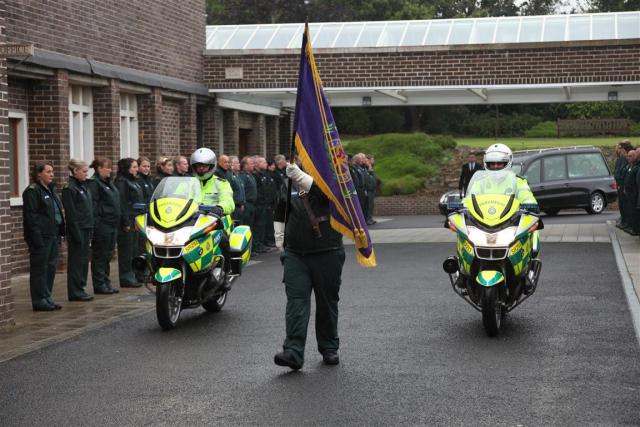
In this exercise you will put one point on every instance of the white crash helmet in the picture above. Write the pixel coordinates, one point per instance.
(203, 156)
(498, 153)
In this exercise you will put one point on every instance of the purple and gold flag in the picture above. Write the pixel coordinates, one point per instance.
(323, 157)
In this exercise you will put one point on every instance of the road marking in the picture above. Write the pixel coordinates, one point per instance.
(627, 283)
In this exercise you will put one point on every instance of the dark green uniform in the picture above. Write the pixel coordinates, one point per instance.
(265, 204)
(311, 264)
(238, 199)
(238, 191)
(130, 193)
(372, 183)
(106, 213)
(360, 183)
(635, 220)
(619, 172)
(159, 177)
(282, 183)
(631, 189)
(78, 208)
(43, 225)
(146, 184)
(250, 195)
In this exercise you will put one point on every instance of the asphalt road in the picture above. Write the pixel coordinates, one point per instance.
(412, 352)
(436, 221)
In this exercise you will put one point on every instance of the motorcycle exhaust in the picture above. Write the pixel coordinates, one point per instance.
(451, 265)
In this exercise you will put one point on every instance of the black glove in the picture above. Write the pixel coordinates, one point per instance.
(218, 211)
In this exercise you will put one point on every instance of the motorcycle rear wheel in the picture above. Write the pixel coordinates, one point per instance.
(215, 304)
(491, 311)
(168, 305)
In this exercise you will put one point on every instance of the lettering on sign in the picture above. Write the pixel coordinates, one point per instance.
(234, 73)
(9, 50)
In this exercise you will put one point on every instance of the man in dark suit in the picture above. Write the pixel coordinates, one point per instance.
(468, 169)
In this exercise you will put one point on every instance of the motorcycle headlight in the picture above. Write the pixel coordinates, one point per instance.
(502, 238)
(175, 238)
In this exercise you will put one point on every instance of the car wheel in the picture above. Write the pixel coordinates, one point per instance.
(551, 212)
(597, 203)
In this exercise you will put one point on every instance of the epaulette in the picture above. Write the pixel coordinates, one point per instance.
(33, 186)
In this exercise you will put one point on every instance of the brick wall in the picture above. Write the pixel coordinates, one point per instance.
(18, 94)
(273, 137)
(406, 205)
(6, 298)
(149, 124)
(106, 121)
(188, 126)
(454, 65)
(231, 124)
(258, 139)
(165, 37)
(170, 141)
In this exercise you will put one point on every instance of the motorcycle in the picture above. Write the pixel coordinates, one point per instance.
(498, 243)
(183, 259)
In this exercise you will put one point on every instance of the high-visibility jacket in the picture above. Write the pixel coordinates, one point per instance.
(217, 191)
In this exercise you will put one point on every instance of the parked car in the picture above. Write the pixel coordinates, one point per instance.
(560, 178)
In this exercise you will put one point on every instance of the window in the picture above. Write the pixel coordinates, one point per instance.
(554, 168)
(18, 154)
(128, 126)
(81, 122)
(587, 165)
(533, 173)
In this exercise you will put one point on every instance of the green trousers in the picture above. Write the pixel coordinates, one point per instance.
(629, 209)
(249, 214)
(103, 246)
(42, 271)
(622, 202)
(259, 229)
(320, 273)
(269, 230)
(78, 264)
(127, 249)
(370, 206)
(364, 204)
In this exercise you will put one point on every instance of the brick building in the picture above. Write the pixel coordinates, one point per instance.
(115, 79)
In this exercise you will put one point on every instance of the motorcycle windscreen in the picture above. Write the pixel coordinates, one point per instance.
(492, 209)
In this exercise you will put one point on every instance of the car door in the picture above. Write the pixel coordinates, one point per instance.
(533, 173)
(554, 184)
(587, 172)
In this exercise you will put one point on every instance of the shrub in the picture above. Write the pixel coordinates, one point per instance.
(543, 130)
(352, 120)
(385, 120)
(404, 161)
(635, 129)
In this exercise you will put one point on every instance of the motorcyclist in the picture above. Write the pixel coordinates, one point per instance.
(215, 191)
(499, 157)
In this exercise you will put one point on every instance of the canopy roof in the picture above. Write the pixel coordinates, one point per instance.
(519, 29)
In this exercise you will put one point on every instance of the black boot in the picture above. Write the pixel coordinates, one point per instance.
(285, 358)
(330, 357)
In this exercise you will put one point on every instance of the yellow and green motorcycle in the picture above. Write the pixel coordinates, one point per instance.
(497, 265)
(183, 257)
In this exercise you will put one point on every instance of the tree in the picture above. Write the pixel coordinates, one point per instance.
(614, 5)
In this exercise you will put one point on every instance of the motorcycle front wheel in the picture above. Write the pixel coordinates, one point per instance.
(168, 304)
(215, 304)
(491, 311)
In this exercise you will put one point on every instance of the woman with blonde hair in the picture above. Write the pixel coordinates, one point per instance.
(164, 168)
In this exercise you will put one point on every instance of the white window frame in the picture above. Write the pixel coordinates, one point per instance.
(23, 155)
(81, 113)
(129, 141)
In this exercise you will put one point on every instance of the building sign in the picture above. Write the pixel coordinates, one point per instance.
(9, 50)
(233, 73)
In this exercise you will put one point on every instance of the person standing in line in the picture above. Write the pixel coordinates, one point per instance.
(164, 168)
(272, 187)
(250, 194)
(264, 205)
(223, 170)
(372, 184)
(106, 214)
(282, 182)
(359, 161)
(78, 210)
(239, 198)
(43, 227)
(145, 179)
(619, 172)
(130, 194)
(312, 262)
(631, 191)
(180, 166)
(468, 169)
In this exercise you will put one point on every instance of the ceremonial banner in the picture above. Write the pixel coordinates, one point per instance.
(320, 150)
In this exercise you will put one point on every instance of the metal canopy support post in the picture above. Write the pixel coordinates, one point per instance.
(394, 94)
(481, 93)
(567, 92)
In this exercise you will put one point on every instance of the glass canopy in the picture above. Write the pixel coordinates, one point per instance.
(524, 29)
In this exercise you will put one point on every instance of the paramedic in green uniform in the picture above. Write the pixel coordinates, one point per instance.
(130, 194)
